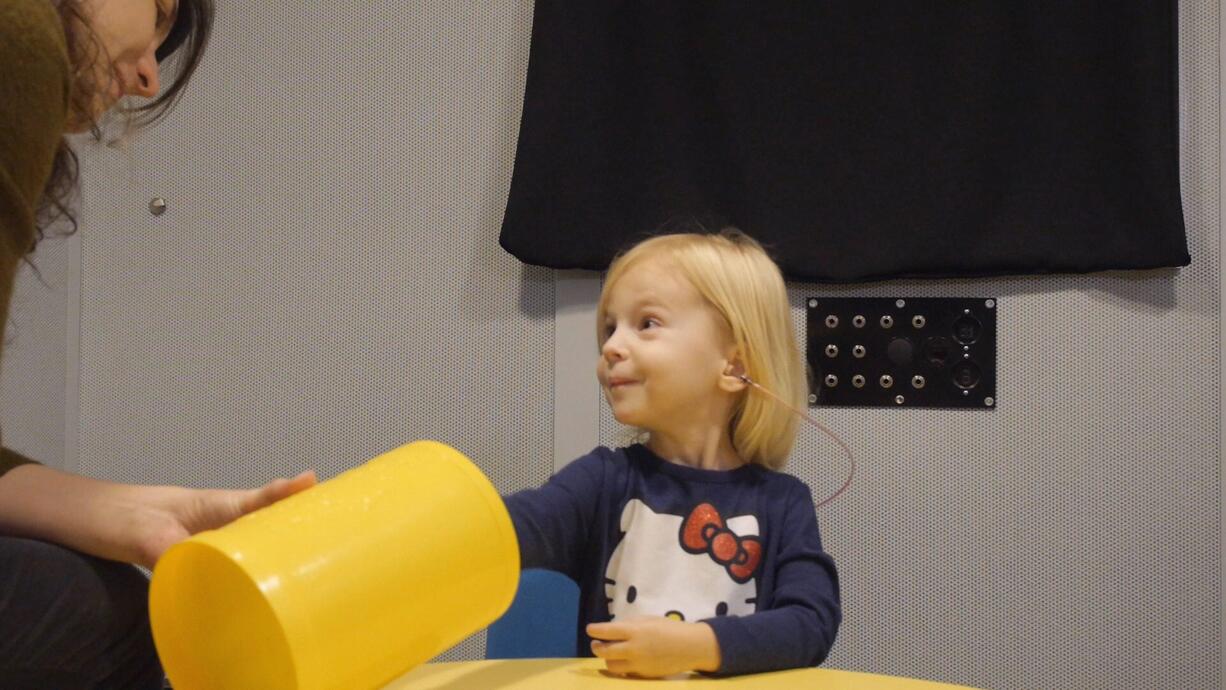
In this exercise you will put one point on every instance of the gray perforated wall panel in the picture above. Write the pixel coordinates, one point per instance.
(34, 376)
(327, 284)
(1070, 538)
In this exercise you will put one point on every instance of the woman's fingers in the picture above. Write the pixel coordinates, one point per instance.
(276, 490)
(303, 481)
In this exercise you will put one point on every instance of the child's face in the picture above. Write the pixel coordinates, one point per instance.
(664, 351)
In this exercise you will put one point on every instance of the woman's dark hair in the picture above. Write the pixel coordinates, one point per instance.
(183, 45)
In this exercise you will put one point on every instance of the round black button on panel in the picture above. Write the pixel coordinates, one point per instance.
(900, 351)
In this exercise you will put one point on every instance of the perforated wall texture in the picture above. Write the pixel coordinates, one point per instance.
(33, 378)
(326, 284)
(1071, 538)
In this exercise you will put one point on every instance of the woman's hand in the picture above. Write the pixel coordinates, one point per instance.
(653, 647)
(122, 522)
(176, 513)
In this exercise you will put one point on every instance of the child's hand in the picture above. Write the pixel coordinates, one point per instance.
(652, 647)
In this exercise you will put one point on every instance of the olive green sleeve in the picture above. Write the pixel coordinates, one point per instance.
(34, 92)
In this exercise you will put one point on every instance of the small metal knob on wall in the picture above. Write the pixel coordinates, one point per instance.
(157, 206)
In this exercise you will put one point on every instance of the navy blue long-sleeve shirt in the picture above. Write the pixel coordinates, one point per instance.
(737, 549)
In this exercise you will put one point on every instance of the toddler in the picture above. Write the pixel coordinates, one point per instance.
(691, 549)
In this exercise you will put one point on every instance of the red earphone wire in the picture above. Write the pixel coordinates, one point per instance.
(820, 427)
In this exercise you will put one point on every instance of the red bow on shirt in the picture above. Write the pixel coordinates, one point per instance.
(704, 532)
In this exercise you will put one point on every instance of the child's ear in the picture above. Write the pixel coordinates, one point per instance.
(732, 380)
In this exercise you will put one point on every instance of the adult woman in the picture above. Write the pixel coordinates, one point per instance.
(72, 611)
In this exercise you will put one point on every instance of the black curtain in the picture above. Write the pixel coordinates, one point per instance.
(857, 140)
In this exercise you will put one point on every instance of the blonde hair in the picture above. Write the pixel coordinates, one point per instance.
(740, 281)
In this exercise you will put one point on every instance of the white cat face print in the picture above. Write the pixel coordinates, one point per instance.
(688, 568)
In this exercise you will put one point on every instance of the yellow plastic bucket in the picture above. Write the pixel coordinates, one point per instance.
(344, 586)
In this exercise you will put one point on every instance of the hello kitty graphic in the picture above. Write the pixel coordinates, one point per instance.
(690, 568)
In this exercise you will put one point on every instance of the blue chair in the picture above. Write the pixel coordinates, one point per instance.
(542, 621)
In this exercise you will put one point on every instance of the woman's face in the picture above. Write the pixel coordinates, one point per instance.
(129, 33)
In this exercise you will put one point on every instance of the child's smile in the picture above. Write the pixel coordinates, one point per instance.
(619, 382)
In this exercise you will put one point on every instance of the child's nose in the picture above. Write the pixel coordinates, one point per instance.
(613, 349)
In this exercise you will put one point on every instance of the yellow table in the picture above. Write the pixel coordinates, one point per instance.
(580, 674)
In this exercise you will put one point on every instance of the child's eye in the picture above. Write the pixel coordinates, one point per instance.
(649, 323)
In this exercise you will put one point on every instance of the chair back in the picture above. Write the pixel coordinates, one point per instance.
(542, 621)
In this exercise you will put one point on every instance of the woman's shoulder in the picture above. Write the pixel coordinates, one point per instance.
(35, 81)
(34, 64)
(27, 25)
